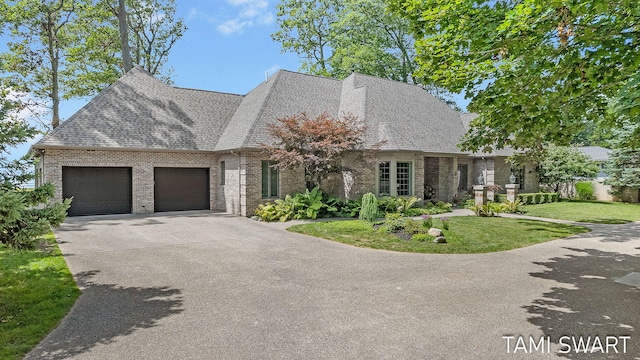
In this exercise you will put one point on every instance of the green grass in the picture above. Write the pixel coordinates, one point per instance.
(587, 211)
(466, 235)
(36, 292)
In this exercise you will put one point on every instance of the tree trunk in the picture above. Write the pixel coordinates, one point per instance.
(50, 31)
(124, 36)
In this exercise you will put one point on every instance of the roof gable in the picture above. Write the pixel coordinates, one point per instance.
(140, 112)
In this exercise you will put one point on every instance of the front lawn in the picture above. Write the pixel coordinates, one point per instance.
(587, 211)
(36, 292)
(466, 235)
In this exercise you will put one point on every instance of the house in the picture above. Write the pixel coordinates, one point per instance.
(599, 155)
(142, 146)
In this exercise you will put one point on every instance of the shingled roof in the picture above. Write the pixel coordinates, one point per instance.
(140, 112)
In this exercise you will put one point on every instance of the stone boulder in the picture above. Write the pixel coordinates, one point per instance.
(435, 232)
(440, 240)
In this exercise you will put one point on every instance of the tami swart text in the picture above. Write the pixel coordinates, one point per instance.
(567, 344)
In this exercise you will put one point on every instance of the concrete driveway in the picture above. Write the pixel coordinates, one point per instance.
(198, 285)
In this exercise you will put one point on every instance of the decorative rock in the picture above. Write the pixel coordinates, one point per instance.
(435, 232)
(440, 240)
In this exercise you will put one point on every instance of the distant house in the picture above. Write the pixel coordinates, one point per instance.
(142, 146)
(600, 155)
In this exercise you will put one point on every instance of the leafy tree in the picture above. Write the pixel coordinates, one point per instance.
(64, 49)
(306, 27)
(24, 215)
(337, 37)
(562, 165)
(37, 51)
(317, 144)
(623, 167)
(153, 32)
(536, 71)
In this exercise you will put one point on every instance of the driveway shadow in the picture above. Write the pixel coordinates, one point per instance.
(589, 302)
(615, 233)
(103, 313)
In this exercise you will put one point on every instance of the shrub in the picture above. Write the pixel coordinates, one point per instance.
(351, 207)
(422, 237)
(394, 221)
(489, 209)
(513, 207)
(585, 190)
(414, 227)
(306, 205)
(369, 209)
(537, 198)
(468, 204)
(395, 204)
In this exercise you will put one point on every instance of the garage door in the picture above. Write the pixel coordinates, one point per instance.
(181, 189)
(97, 190)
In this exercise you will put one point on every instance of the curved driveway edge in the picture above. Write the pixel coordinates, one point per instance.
(199, 285)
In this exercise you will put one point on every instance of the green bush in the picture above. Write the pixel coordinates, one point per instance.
(27, 215)
(422, 237)
(513, 207)
(585, 190)
(369, 209)
(394, 221)
(306, 205)
(489, 209)
(414, 227)
(537, 198)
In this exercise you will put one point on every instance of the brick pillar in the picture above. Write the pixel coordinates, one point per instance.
(512, 192)
(480, 192)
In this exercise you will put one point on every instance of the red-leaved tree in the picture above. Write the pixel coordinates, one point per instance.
(317, 144)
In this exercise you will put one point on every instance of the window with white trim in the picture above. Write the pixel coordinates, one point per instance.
(395, 178)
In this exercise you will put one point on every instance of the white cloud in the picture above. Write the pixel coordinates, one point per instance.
(233, 26)
(236, 16)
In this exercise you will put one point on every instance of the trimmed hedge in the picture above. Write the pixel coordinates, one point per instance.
(531, 198)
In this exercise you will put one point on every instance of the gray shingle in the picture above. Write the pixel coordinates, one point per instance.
(140, 112)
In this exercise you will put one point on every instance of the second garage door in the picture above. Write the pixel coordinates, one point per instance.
(181, 189)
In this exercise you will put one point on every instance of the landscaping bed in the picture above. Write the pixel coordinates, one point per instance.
(466, 234)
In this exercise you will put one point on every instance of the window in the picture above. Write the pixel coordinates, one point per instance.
(403, 178)
(269, 179)
(395, 178)
(463, 178)
(222, 173)
(384, 180)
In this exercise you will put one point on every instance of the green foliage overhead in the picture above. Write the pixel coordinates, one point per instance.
(536, 71)
(335, 38)
(65, 49)
(565, 164)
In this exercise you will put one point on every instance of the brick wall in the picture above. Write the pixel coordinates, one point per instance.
(141, 163)
(291, 181)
